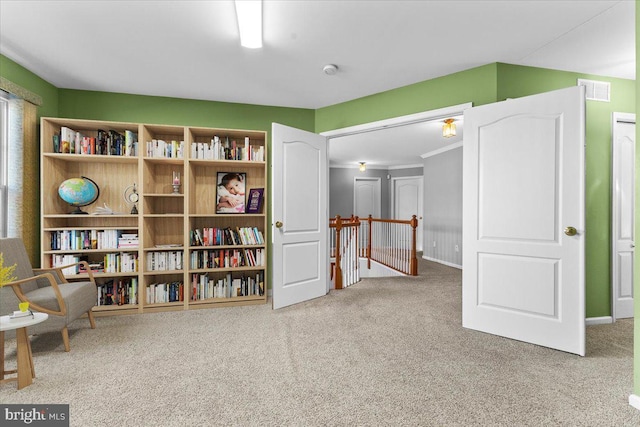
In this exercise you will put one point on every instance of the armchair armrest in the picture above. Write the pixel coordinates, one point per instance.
(60, 274)
(15, 285)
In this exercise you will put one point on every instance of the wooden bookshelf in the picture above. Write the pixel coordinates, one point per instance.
(166, 218)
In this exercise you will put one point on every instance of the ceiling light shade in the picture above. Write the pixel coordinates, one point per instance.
(249, 14)
(448, 128)
(363, 166)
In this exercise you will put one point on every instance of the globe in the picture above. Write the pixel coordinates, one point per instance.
(79, 192)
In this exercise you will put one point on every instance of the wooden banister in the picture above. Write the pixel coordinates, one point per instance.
(391, 242)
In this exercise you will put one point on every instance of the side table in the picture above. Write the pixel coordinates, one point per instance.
(25, 371)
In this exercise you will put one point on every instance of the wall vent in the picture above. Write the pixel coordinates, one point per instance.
(596, 90)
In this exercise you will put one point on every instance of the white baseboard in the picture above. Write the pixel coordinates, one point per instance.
(439, 261)
(598, 320)
(634, 401)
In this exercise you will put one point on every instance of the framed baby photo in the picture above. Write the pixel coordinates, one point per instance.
(230, 193)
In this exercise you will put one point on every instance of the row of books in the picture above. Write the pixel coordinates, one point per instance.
(67, 259)
(160, 148)
(110, 143)
(227, 150)
(74, 240)
(164, 260)
(165, 292)
(122, 262)
(227, 258)
(205, 287)
(118, 292)
(212, 236)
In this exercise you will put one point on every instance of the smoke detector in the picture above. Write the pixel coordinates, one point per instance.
(330, 69)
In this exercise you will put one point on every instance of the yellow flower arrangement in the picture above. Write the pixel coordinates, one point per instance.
(6, 273)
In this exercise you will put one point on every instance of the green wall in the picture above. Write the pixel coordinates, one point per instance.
(80, 104)
(477, 85)
(516, 81)
(25, 78)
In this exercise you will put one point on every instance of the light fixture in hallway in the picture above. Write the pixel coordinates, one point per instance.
(363, 166)
(449, 128)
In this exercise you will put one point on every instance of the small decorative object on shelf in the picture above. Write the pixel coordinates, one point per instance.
(132, 197)
(254, 202)
(176, 182)
(79, 192)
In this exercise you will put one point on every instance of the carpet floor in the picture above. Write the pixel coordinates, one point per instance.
(386, 351)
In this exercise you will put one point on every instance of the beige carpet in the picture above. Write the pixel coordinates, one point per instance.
(385, 351)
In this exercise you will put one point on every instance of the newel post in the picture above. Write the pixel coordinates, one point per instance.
(338, 244)
(413, 260)
(370, 219)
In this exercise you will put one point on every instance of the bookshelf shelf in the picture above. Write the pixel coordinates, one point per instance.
(151, 157)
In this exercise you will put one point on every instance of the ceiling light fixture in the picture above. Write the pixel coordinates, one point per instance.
(449, 128)
(330, 69)
(363, 166)
(249, 14)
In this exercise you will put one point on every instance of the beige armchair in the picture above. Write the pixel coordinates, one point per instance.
(47, 291)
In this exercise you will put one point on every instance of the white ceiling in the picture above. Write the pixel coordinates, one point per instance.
(191, 49)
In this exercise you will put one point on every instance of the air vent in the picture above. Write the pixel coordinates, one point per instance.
(596, 90)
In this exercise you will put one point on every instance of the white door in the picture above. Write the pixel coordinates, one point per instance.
(366, 197)
(300, 215)
(523, 219)
(407, 201)
(623, 214)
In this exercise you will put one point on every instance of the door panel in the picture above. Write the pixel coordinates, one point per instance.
(623, 213)
(366, 200)
(408, 197)
(523, 184)
(300, 215)
(525, 147)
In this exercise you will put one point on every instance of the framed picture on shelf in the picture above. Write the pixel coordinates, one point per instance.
(254, 201)
(230, 194)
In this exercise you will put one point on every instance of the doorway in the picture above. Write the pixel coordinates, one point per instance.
(622, 214)
(366, 197)
(407, 196)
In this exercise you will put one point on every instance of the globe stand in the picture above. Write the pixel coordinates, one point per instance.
(78, 211)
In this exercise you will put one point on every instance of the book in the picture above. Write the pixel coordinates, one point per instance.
(255, 199)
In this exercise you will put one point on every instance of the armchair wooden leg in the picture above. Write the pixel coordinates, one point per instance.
(92, 319)
(65, 339)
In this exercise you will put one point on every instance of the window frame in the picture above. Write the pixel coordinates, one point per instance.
(4, 163)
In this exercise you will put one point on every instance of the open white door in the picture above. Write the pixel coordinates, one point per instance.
(300, 216)
(623, 179)
(523, 226)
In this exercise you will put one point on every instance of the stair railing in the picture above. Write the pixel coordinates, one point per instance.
(390, 242)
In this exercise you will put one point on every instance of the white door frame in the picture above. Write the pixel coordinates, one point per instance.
(615, 273)
(378, 194)
(425, 116)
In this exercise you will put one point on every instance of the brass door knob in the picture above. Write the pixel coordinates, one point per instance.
(570, 231)
(278, 224)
